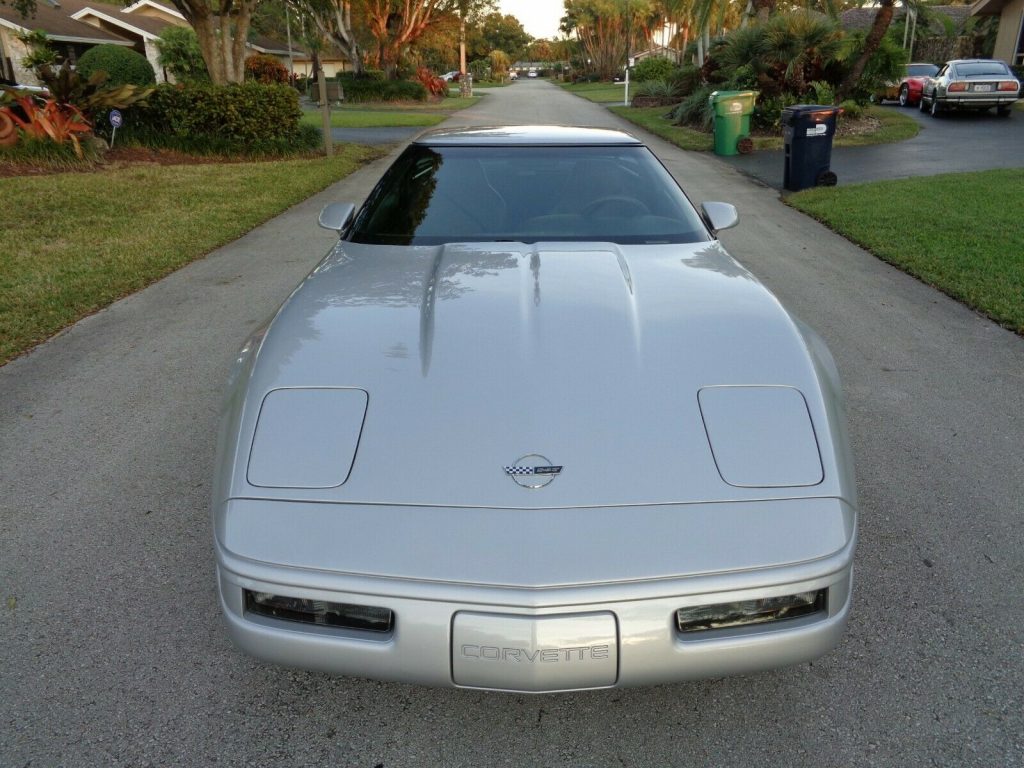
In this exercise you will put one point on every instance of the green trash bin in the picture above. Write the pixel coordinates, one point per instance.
(732, 118)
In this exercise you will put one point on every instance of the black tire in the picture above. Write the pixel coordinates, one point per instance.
(904, 96)
(922, 104)
(1003, 111)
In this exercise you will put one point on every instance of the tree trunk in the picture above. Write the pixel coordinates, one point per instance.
(764, 9)
(206, 35)
(221, 35)
(336, 24)
(883, 17)
(395, 30)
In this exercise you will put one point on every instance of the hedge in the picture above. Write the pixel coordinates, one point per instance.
(122, 65)
(372, 88)
(250, 118)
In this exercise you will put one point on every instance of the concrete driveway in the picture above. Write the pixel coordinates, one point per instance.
(111, 649)
(953, 143)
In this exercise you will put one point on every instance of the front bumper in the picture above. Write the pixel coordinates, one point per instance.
(425, 647)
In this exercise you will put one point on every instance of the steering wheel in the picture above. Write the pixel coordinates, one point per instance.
(626, 206)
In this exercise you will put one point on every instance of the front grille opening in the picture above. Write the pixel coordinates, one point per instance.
(368, 618)
(742, 613)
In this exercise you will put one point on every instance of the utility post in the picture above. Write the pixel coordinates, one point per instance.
(291, 58)
(465, 86)
(325, 108)
(629, 50)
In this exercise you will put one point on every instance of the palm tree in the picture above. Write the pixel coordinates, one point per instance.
(883, 18)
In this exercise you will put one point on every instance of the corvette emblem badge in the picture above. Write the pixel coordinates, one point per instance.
(532, 471)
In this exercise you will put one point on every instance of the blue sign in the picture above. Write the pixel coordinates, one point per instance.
(115, 118)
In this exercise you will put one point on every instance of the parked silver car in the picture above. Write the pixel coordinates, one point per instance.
(971, 84)
(528, 427)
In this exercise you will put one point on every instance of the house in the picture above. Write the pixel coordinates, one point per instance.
(74, 26)
(1010, 37)
(656, 52)
(70, 37)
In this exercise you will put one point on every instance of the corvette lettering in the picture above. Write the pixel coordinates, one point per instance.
(543, 655)
(519, 470)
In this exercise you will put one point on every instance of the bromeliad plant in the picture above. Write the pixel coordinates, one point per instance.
(89, 95)
(46, 119)
(66, 111)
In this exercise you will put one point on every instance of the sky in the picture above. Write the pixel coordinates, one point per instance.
(539, 17)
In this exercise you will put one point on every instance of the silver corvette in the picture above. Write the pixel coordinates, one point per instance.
(528, 427)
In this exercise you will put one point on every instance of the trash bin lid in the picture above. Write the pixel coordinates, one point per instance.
(814, 111)
(732, 102)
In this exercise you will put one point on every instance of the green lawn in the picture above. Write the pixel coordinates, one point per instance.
(72, 247)
(895, 127)
(602, 93)
(391, 114)
(973, 250)
(372, 118)
(653, 119)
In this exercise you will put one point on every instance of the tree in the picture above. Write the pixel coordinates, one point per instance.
(222, 27)
(496, 31)
(499, 64)
(397, 24)
(883, 17)
(333, 18)
(607, 30)
(540, 50)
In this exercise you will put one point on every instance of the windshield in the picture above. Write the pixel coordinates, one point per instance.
(982, 69)
(921, 70)
(434, 195)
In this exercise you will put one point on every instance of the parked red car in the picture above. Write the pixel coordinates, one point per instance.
(913, 81)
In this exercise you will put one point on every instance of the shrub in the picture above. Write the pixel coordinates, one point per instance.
(695, 109)
(40, 52)
(122, 65)
(266, 69)
(823, 92)
(247, 119)
(45, 119)
(180, 54)
(46, 153)
(685, 79)
(852, 109)
(656, 89)
(480, 70)
(653, 68)
(363, 88)
(767, 114)
(89, 95)
(435, 85)
(782, 55)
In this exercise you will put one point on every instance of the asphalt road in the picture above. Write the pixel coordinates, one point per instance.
(955, 142)
(111, 651)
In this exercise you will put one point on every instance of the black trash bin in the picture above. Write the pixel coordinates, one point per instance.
(807, 130)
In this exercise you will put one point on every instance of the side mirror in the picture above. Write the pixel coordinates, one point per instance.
(336, 216)
(719, 216)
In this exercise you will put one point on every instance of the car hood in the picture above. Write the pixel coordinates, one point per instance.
(474, 358)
